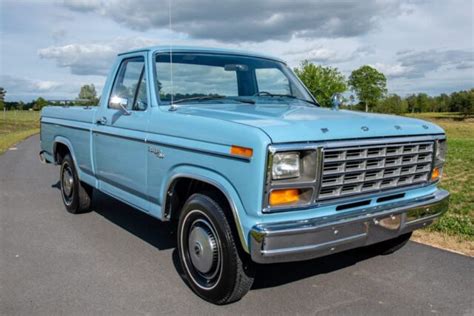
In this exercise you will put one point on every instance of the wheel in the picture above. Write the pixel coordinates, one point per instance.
(75, 194)
(389, 246)
(213, 265)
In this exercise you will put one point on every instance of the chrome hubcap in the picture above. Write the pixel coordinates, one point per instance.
(203, 248)
(67, 181)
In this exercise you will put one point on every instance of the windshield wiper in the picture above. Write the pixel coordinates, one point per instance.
(213, 97)
(202, 98)
(268, 94)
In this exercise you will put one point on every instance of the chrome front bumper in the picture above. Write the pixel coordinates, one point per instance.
(312, 238)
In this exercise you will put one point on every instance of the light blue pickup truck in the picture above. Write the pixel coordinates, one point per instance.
(232, 148)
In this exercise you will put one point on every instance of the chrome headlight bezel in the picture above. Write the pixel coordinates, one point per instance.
(439, 159)
(304, 179)
(440, 152)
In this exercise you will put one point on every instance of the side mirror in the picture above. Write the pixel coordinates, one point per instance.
(119, 104)
(336, 101)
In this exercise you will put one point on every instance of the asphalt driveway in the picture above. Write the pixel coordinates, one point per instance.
(116, 260)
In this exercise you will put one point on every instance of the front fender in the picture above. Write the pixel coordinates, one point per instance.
(243, 221)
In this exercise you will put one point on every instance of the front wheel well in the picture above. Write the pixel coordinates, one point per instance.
(182, 188)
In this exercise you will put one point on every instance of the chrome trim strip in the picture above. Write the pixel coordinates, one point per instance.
(69, 126)
(209, 152)
(315, 237)
(355, 142)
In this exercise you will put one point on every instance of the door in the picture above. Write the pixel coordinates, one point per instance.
(119, 137)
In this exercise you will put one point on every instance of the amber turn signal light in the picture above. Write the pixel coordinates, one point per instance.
(436, 173)
(287, 196)
(241, 151)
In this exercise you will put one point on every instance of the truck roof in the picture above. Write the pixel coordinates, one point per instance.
(198, 49)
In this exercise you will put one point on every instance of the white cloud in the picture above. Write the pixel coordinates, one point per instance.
(392, 71)
(91, 58)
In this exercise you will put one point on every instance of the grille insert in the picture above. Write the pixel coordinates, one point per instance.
(362, 169)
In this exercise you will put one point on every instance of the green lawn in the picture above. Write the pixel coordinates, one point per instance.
(16, 126)
(458, 176)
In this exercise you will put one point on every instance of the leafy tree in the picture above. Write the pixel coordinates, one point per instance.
(441, 103)
(422, 102)
(321, 81)
(39, 104)
(369, 84)
(88, 93)
(463, 102)
(2, 98)
(392, 104)
(468, 107)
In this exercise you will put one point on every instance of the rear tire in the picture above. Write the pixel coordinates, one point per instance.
(76, 195)
(213, 265)
(389, 246)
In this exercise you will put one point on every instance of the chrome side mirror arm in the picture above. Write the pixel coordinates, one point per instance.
(119, 103)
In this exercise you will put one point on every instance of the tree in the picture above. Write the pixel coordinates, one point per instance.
(39, 104)
(392, 104)
(2, 98)
(321, 81)
(463, 102)
(369, 84)
(88, 93)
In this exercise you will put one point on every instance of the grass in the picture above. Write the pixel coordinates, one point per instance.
(16, 126)
(458, 174)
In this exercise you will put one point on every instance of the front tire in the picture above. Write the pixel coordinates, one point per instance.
(76, 195)
(213, 265)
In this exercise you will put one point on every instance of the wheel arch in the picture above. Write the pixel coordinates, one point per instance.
(206, 179)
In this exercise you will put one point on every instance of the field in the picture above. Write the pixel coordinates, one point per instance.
(16, 126)
(458, 176)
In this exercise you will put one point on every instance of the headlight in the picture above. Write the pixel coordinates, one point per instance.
(286, 165)
(440, 158)
(441, 148)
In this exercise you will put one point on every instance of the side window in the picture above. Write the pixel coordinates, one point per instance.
(272, 80)
(130, 85)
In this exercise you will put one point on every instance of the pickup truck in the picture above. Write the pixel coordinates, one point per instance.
(232, 148)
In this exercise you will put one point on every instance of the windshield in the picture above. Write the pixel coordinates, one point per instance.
(199, 77)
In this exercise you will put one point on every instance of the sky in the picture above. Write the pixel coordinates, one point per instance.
(49, 48)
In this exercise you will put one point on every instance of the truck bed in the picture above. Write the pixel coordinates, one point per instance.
(71, 124)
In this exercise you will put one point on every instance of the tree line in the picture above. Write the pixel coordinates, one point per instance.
(370, 87)
(366, 83)
(87, 96)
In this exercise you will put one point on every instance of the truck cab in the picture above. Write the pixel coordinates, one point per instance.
(232, 148)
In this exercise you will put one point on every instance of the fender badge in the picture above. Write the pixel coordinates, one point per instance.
(398, 127)
(425, 126)
(324, 130)
(156, 151)
(364, 128)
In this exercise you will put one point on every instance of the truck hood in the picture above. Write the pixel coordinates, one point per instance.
(297, 122)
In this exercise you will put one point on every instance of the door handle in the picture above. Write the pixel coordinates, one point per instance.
(102, 121)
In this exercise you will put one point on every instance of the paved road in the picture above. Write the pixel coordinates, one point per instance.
(119, 261)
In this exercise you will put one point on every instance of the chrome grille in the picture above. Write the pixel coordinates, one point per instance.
(363, 169)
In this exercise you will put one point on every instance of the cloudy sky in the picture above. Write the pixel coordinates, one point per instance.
(50, 48)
